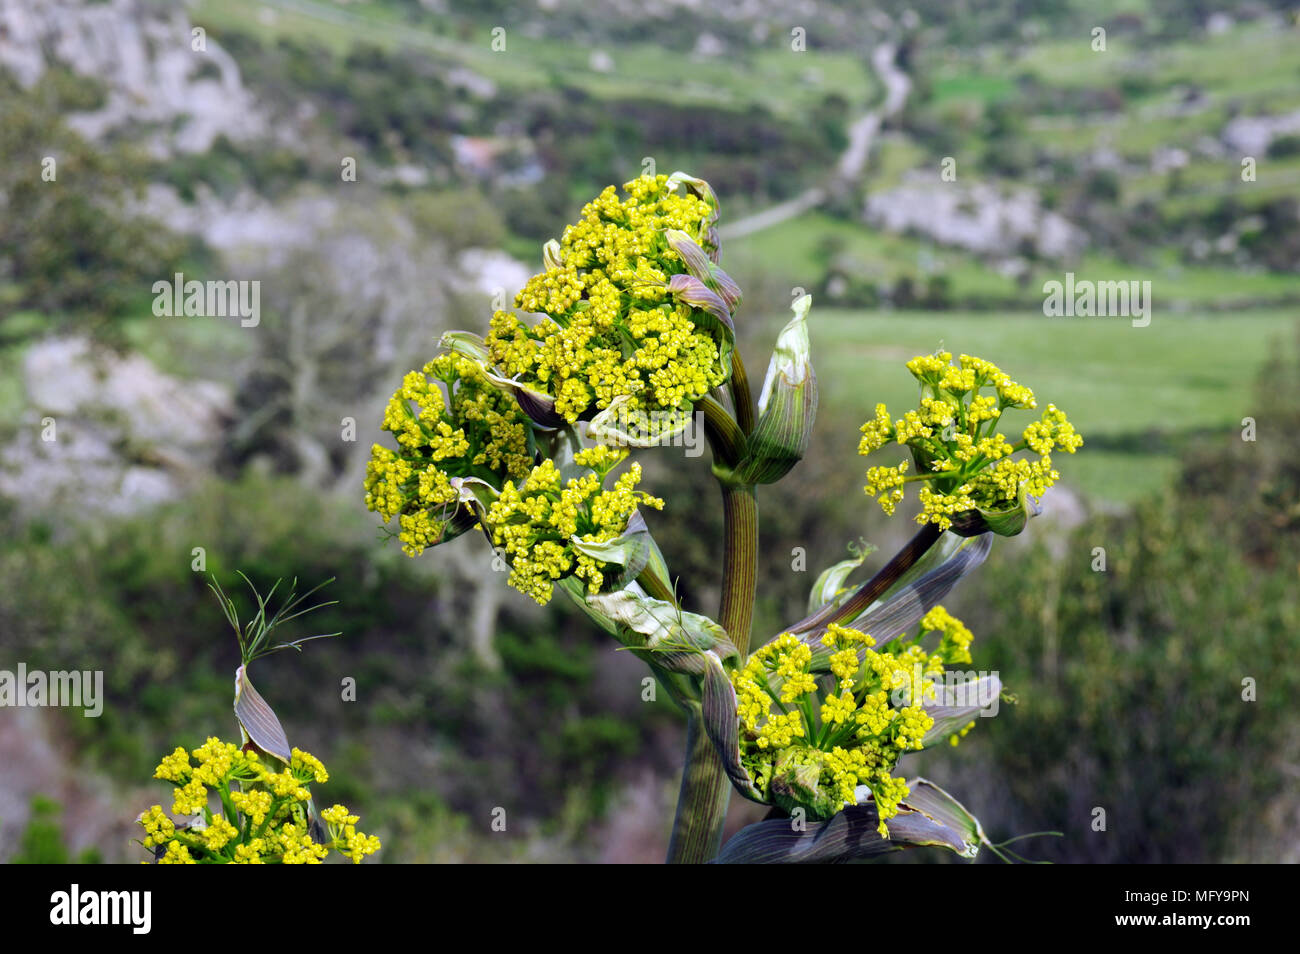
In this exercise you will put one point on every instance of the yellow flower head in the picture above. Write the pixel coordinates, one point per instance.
(217, 835)
(189, 799)
(812, 747)
(158, 827)
(954, 644)
(535, 523)
(307, 767)
(609, 325)
(263, 816)
(175, 767)
(964, 463)
(216, 760)
(449, 421)
(251, 853)
(177, 854)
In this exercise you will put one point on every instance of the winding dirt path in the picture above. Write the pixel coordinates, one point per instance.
(849, 169)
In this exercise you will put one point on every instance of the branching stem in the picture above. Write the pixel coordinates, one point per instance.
(706, 790)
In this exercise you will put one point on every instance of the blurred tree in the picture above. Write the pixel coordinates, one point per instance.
(458, 219)
(342, 319)
(42, 841)
(69, 244)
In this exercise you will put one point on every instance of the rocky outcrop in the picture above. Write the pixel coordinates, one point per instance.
(980, 218)
(182, 90)
(107, 434)
(1252, 135)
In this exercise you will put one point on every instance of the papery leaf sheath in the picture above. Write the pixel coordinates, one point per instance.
(257, 718)
(722, 724)
(700, 266)
(624, 425)
(903, 605)
(787, 406)
(692, 291)
(933, 819)
(913, 595)
(552, 257)
(632, 551)
(647, 623)
(708, 235)
(931, 800)
(829, 586)
(955, 706)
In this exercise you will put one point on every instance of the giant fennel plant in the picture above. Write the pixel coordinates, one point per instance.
(625, 336)
(264, 811)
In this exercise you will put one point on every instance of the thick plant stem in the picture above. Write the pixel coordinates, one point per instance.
(702, 800)
(705, 791)
(739, 562)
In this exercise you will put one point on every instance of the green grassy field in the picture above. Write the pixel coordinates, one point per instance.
(773, 76)
(1179, 286)
(1209, 64)
(790, 251)
(1210, 61)
(1135, 391)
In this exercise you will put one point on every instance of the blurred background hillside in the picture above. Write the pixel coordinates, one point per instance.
(921, 168)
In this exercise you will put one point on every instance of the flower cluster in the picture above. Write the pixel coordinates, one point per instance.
(474, 429)
(266, 818)
(541, 523)
(966, 463)
(955, 638)
(812, 746)
(610, 325)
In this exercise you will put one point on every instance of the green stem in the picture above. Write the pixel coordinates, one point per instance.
(702, 800)
(739, 562)
(724, 435)
(740, 394)
(223, 792)
(706, 790)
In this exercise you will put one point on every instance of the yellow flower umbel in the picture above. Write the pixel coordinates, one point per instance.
(811, 746)
(480, 433)
(611, 325)
(265, 818)
(538, 522)
(965, 463)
